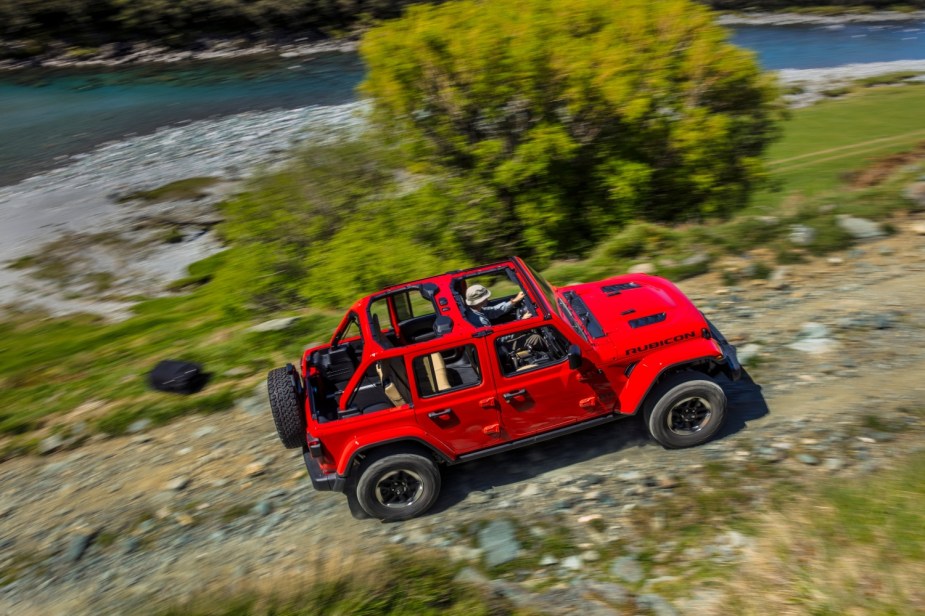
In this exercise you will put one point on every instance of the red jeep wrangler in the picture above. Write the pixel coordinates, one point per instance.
(413, 379)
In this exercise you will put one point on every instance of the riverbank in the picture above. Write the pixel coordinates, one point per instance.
(784, 18)
(78, 213)
(61, 55)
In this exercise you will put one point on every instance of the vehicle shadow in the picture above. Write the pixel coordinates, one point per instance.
(745, 403)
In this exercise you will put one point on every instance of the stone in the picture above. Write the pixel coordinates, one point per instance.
(642, 268)
(263, 508)
(747, 353)
(499, 542)
(657, 605)
(833, 464)
(915, 192)
(573, 563)
(918, 228)
(814, 346)
(813, 330)
(548, 560)
(50, 444)
(469, 576)
(628, 569)
(801, 235)
(177, 484)
(859, 228)
(275, 325)
(79, 545)
(255, 469)
(139, 425)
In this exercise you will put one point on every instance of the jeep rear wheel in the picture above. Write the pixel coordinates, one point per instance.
(288, 414)
(684, 410)
(398, 486)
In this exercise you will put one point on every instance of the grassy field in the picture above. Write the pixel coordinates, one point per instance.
(823, 142)
(58, 372)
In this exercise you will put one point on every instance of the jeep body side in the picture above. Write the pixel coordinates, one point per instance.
(407, 381)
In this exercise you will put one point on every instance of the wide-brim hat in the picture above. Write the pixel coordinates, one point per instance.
(476, 294)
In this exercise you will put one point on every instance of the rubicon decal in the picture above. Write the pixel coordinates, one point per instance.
(661, 343)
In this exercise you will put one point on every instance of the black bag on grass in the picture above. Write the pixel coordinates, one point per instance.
(181, 377)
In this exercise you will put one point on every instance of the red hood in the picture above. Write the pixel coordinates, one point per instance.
(638, 310)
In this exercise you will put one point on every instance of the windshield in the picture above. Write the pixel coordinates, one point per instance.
(546, 290)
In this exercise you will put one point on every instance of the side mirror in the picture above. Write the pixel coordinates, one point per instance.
(574, 357)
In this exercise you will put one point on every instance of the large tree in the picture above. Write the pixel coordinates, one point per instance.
(579, 115)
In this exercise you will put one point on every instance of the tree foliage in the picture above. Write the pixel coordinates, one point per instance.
(579, 115)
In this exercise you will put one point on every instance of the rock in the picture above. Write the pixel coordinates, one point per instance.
(499, 542)
(915, 192)
(177, 484)
(813, 330)
(656, 604)
(263, 508)
(918, 228)
(834, 464)
(548, 560)
(807, 459)
(573, 563)
(468, 575)
(139, 425)
(642, 268)
(130, 545)
(801, 235)
(276, 325)
(814, 346)
(255, 469)
(627, 568)
(859, 228)
(79, 545)
(50, 444)
(834, 260)
(748, 352)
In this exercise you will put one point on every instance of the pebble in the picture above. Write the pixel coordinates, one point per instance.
(177, 484)
(628, 569)
(806, 458)
(499, 542)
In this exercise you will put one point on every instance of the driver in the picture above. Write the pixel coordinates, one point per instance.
(480, 314)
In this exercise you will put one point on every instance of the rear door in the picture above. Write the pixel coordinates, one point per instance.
(537, 390)
(454, 396)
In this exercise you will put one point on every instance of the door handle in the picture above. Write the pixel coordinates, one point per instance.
(514, 394)
(438, 414)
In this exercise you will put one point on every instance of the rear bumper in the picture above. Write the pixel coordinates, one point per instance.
(323, 482)
(729, 364)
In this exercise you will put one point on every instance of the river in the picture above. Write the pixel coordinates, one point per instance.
(47, 116)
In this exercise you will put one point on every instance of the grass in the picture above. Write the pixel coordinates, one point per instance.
(846, 547)
(399, 585)
(822, 142)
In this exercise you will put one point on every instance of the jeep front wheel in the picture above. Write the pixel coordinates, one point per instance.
(684, 410)
(398, 487)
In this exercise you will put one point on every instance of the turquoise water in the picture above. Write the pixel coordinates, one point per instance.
(45, 115)
(48, 115)
(825, 46)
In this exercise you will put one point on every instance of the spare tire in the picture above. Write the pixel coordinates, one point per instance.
(288, 412)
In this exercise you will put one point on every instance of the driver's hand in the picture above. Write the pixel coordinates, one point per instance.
(527, 315)
(518, 298)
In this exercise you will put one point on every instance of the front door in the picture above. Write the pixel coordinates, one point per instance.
(537, 389)
(454, 396)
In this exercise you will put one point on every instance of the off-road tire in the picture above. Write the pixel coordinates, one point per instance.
(288, 413)
(398, 486)
(685, 409)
